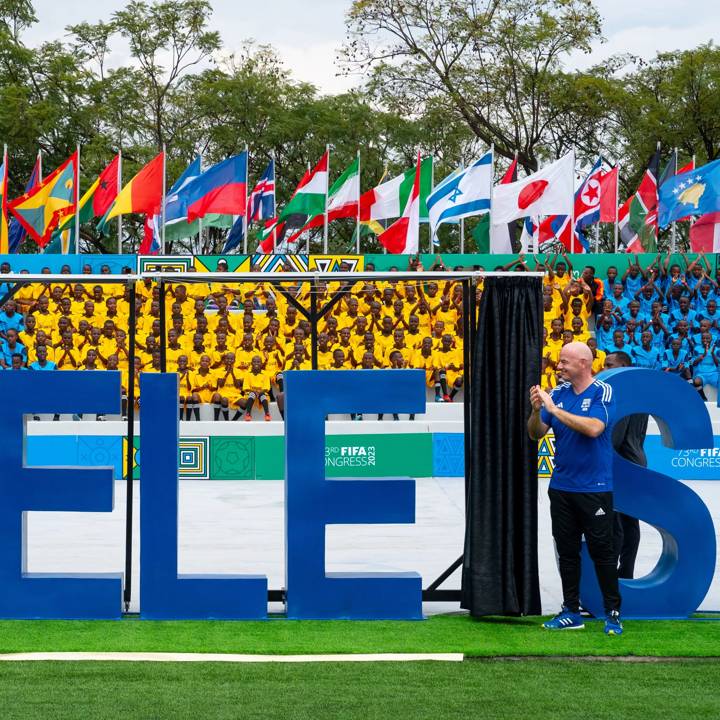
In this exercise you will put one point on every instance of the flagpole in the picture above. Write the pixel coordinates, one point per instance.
(572, 226)
(492, 187)
(673, 228)
(77, 202)
(119, 187)
(432, 187)
(164, 193)
(40, 174)
(357, 223)
(245, 222)
(200, 222)
(325, 216)
(617, 201)
(274, 199)
(462, 220)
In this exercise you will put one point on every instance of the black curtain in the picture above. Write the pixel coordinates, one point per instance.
(500, 568)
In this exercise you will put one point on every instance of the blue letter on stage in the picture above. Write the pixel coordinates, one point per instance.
(165, 595)
(312, 502)
(678, 583)
(51, 489)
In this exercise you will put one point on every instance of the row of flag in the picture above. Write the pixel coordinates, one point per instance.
(544, 208)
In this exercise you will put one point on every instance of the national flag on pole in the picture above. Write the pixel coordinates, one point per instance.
(4, 241)
(557, 228)
(143, 194)
(587, 199)
(502, 236)
(389, 199)
(550, 191)
(221, 189)
(696, 192)
(342, 199)
(637, 218)
(403, 236)
(95, 202)
(608, 195)
(261, 203)
(42, 209)
(177, 226)
(265, 246)
(308, 200)
(464, 193)
(705, 234)
(16, 231)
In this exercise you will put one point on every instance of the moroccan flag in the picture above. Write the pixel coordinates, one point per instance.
(4, 243)
(403, 236)
(143, 194)
(638, 217)
(309, 197)
(42, 209)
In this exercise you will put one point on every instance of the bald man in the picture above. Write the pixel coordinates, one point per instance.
(580, 412)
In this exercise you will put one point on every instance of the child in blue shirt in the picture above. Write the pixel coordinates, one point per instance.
(705, 363)
(676, 360)
(645, 355)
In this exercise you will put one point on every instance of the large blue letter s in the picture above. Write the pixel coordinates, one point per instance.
(680, 580)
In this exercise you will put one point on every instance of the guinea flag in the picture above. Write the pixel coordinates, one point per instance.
(143, 194)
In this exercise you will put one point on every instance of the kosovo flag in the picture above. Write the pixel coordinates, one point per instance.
(41, 209)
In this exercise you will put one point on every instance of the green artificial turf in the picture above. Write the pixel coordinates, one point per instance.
(444, 633)
(561, 690)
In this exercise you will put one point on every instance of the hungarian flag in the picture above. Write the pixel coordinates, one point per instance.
(389, 199)
(309, 197)
(637, 218)
(403, 236)
(342, 199)
(143, 194)
(42, 209)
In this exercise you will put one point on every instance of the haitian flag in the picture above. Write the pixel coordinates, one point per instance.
(221, 189)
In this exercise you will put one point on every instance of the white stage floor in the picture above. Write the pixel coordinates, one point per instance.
(238, 527)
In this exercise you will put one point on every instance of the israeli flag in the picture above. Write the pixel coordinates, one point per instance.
(464, 193)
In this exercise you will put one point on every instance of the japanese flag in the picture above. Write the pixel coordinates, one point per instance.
(550, 191)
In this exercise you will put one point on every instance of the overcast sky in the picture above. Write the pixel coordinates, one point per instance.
(307, 34)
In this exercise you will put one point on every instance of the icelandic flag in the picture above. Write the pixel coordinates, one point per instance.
(261, 203)
(221, 189)
(16, 232)
(261, 206)
(462, 194)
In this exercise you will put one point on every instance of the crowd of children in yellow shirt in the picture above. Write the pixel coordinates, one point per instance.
(231, 343)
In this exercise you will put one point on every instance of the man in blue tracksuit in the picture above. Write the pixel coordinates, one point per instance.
(580, 412)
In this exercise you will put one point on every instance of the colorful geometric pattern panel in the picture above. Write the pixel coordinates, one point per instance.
(546, 457)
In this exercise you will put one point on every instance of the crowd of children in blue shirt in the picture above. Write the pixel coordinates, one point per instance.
(664, 316)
